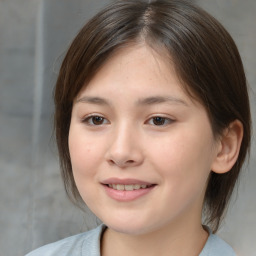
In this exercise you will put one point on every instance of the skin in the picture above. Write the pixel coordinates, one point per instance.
(177, 155)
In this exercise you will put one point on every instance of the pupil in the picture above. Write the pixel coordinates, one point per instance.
(158, 120)
(97, 120)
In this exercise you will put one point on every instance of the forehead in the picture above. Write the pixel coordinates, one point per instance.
(136, 67)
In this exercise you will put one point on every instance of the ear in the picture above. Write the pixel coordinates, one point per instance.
(228, 148)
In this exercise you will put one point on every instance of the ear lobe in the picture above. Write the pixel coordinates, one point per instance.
(229, 147)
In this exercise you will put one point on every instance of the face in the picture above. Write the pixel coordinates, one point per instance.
(141, 149)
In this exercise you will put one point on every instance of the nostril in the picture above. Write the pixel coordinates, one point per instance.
(111, 162)
(121, 163)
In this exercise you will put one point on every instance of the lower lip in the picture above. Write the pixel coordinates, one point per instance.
(125, 195)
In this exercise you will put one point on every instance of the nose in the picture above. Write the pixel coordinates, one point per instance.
(125, 149)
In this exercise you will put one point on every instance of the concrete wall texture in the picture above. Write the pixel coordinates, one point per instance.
(34, 35)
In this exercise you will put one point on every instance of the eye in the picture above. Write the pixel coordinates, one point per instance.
(95, 120)
(160, 121)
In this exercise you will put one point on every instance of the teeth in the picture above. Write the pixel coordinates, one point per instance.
(119, 187)
(137, 186)
(127, 187)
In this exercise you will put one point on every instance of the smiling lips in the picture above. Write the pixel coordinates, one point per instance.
(126, 190)
(128, 187)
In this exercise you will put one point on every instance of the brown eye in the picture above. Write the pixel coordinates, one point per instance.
(160, 121)
(95, 120)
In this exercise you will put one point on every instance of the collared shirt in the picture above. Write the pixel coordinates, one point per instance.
(88, 244)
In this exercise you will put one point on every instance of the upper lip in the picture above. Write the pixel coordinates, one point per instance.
(125, 181)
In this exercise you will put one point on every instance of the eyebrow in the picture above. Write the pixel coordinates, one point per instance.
(161, 99)
(94, 100)
(143, 101)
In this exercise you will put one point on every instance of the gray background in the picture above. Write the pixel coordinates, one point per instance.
(33, 38)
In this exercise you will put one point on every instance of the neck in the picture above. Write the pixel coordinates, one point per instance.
(174, 240)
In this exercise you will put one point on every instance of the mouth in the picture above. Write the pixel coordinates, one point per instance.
(129, 187)
(125, 190)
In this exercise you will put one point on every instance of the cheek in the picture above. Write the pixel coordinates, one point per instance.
(85, 159)
(184, 160)
(83, 153)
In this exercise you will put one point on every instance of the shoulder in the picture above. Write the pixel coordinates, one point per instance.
(88, 242)
(215, 246)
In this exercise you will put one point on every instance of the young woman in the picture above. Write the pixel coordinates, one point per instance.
(152, 125)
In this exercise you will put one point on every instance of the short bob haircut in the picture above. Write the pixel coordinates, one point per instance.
(206, 60)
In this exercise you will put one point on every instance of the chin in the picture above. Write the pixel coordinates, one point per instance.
(128, 230)
(130, 227)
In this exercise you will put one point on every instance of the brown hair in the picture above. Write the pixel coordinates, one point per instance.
(206, 60)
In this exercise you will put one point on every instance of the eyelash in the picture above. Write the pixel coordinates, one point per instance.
(89, 120)
(164, 121)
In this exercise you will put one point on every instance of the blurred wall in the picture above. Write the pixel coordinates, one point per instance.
(34, 35)
(17, 50)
